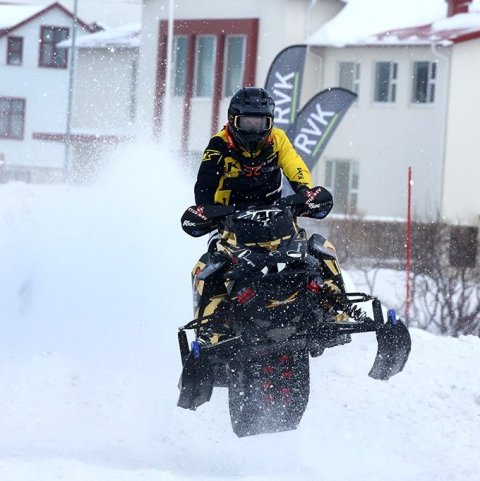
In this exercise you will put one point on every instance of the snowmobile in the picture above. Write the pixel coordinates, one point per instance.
(264, 294)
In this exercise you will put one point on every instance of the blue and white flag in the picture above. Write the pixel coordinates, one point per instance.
(284, 84)
(317, 121)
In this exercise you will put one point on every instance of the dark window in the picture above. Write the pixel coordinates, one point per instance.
(12, 118)
(342, 179)
(385, 81)
(14, 50)
(212, 49)
(205, 51)
(210, 59)
(50, 54)
(349, 76)
(234, 64)
(424, 79)
(180, 47)
(204, 65)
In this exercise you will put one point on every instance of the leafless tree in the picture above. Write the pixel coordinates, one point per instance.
(446, 297)
(445, 276)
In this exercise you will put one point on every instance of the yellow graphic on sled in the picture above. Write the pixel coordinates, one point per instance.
(288, 300)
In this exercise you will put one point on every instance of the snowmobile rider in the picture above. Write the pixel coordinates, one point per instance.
(243, 163)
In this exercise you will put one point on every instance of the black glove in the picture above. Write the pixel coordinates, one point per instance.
(301, 188)
(199, 220)
(318, 202)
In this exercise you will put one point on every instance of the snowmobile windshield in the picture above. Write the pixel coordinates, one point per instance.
(262, 225)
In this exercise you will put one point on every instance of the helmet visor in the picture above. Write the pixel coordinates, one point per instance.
(253, 123)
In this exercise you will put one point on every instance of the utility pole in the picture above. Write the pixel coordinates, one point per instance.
(167, 100)
(71, 82)
(408, 244)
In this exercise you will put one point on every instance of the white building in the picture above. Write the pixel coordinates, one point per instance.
(105, 90)
(34, 84)
(417, 106)
(417, 87)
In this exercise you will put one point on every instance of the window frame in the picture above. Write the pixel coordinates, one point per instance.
(356, 67)
(249, 27)
(391, 86)
(431, 84)
(353, 184)
(225, 87)
(10, 40)
(43, 44)
(179, 92)
(10, 114)
(197, 67)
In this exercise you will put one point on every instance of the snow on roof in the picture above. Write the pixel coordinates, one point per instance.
(11, 15)
(397, 22)
(443, 32)
(127, 36)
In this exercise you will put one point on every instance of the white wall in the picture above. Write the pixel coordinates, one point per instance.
(462, 170)
(386, 138)
(45, 91)
(103, 90)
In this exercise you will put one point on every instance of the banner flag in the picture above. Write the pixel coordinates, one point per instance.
(317, 121)
(284, 84)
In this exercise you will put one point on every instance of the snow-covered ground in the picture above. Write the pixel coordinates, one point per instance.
(93, 284)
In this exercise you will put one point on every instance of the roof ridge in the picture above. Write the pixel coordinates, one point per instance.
(42, 10)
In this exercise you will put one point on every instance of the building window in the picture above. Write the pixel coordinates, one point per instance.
(349, 76)
(341, 178)
(12, 118)
(234, 64)
(205, 52)
(385, 81)
(180, 48)
(204, 65)
(424, 80)
(14, 50)
(50, 54)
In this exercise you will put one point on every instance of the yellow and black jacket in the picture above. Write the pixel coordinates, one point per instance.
(229, 175)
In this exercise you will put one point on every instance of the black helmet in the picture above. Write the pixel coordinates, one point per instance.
(250, 118)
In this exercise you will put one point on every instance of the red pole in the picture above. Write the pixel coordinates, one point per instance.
(409, 242)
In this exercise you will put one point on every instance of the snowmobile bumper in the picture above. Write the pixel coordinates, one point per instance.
(393, 339)
(394, 345)
(202, 365)
(196, 380)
